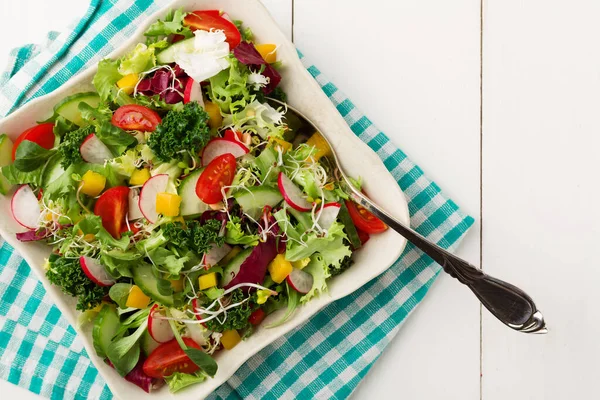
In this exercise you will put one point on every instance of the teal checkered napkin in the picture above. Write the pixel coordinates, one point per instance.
(325, 358)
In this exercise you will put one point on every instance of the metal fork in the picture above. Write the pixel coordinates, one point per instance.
(511, 305)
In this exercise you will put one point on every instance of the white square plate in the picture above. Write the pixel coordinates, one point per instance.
(303, 93)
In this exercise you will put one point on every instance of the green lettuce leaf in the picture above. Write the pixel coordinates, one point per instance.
(320, 272)
(172, 24)
(180, 380)
(331, 247)
(31, 156)
(236, 235)
(140, 59)
(18, 177)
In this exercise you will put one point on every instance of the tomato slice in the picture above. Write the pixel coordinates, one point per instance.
(207, 20)
(363, 219)
(42, 134)
(134, 117)
(257, 317)
(169, 358)
(363, 236)
(232, 135)
(112, 207)
(217, 174)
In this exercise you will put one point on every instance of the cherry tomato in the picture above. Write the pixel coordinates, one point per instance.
(169, 358)
(364, 220)
(207, 20)
(232, 135)
(217, 174)
(112, 207)
(42, 134)
(134, 117)
(257, 317)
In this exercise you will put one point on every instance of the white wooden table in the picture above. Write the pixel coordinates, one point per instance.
(498, 101)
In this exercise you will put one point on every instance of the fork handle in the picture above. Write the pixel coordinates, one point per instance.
(508, 303)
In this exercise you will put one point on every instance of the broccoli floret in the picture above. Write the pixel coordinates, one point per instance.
(180, 131)
(67, 273)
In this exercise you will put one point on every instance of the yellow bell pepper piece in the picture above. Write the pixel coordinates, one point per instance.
(285, 146)
(279, 268)
(168, 204)
(229, 256)
(177, 285)
(215, 119)
(137, 298)
(319, 143)
(267, 51)
(139, 177)
(230, 339)
(208, 280)
(128, 82)
(92, 183)
(89, 237)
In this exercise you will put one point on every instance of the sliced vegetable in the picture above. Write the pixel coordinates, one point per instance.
(230, 339)
(96, 271)
(139, 177)
(167, 56)
(69, 107)
(106, 326)
(133, 117)
(267, 51)
(42, 135)
(92, 183)
(215, 177)
(208, 21)
(133, 211)
(137, 298)
(112, 207)
(153, 186)
(300, 281)
(214, 113)
(128, 82)
(232, 269)
(208, 280)
(94, 151)
(25, 207)
(280, 268)
(292, 194)
(349, 228)
(363, 219)
(193, 92)
(320, 144)
(159, 329)
(328, 215)
(215, 254)
(190, 203)
(168, 204)
(6, 148)
(169, 358)
(219, 146)
(255, 198)
(148, 284)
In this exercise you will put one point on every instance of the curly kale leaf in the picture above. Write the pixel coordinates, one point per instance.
(67, 273)
(180, 131)
(237, 318)
(195, 237)
(346, 263)
(69, 146)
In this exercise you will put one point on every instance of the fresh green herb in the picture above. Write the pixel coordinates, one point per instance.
(68, 275)
(70, 144)
(195, 237)
(180, 132)
(247, 35)
(237, 318)
(293, 300)
(63, 125)
(180, 380)
(30, 156)
(237, 235)
(172, 24)
(18, 177)
(119, 292)
(124, 364)
(203, 360)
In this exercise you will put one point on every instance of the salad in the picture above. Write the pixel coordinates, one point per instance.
(182, 205)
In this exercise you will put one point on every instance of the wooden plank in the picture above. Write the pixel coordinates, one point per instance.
(541, 220)
(413, 68)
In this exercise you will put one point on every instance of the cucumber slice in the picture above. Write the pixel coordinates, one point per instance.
(6, 146)
(344, 217)
(233, 268)
(303, 218)
(52, 171)
(147, 282)
(255, 198)
(167, 56)
(148, 344)
(69, 107)
(266, 162)
(106, 326)
(190, 203)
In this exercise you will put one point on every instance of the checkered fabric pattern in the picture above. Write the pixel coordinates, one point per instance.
(325, 358)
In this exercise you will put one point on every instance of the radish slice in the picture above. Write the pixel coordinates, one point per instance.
(292, 193)
(25, 207)
(329, 215)
(159, 329)
(96, 271)
(94, 151)
(193, 92)
(196, 304)
(300, 281)
(220, 146)
(215, 254)
(151, 188)
(227, 17)
(134, 211)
